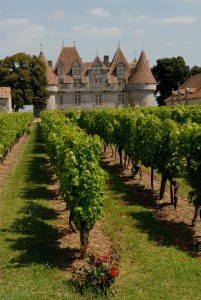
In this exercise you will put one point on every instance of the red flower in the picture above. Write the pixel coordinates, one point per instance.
(114, 271)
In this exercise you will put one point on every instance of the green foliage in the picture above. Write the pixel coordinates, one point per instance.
(26, 75)
(12, 126)
(190, 142)
(195, 70)
(161, 138)
(97, 276)
(75, 156)
(170, 73)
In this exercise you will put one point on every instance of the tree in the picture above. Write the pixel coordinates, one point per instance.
(170, 73)
(26, 76)
(195, 70)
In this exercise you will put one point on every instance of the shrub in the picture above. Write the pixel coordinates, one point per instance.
(97, 275)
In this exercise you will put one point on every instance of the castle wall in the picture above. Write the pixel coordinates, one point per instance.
(142, 94)
(89, 99)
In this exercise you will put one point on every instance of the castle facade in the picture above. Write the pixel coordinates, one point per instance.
(75, 84)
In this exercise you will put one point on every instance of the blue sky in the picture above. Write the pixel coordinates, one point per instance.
(162, 28)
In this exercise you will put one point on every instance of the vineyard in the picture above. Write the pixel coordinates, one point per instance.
(75, 157)
(12, 126)
(165, 141)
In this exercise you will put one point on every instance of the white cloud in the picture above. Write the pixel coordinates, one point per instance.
(13, 23)
(23, 28)
(132, 19)
(96, 32)
(34, 31)
(140, 32)
(142, 18)
(175, 20)
(100, 12)
(58, 15)
(21, 35)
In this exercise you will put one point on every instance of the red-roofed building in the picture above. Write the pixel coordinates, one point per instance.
(188, 93)
(73, 83)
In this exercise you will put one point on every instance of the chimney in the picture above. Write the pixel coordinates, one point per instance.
(49, 63)
(106, 60)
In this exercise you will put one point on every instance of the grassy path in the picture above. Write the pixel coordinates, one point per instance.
(30, 268)
(151, 266)
(29, 264)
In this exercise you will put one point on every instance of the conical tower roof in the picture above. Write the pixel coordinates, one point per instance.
(50, 75)
(142, 72)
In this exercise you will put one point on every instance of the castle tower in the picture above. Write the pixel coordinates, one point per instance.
(52, 82)
(142, 83)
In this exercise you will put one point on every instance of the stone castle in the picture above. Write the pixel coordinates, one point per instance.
(75, 84)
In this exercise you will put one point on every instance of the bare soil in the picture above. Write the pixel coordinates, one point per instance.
(177, 220)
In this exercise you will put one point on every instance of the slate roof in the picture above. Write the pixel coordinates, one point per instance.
(142, 72)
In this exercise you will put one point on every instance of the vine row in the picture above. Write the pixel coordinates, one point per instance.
(75, 157)
(165, 139)
(12, 126)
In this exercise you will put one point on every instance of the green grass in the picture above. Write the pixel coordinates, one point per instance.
(184, 188)
(30, 265)
(151, 267)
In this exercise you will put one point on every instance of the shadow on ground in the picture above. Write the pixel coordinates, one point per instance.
(161, 231)
(32, 233)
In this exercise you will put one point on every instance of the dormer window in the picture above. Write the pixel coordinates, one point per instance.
(76, 69)
(60, 69)
(97, 68)
(120, 69)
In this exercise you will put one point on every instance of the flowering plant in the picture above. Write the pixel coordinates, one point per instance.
(97, 275)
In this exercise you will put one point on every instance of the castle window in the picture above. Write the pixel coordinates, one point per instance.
(98, 80)
(98, 98)
(61, 100)
(77, 82)
(121, 81)
(60, 69)
(76, 69)
(97, 68)
(122, 97)
(77, 98)
(120, 69)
